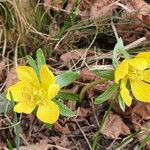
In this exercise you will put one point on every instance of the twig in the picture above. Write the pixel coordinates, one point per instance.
(58, 147)
(5, 42)
(115, 30)
(56, 46)
(16, 52)
(60, 9)
(135, 43)
(84, 135)
(102, 67)
(124, 7)
(94, 114)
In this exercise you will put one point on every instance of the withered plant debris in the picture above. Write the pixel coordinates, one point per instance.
(73, 36)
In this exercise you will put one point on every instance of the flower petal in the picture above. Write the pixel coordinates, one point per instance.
(141, 90)
(24, 107)
(121, 70)
(27, 74)
(146, 76)
(145, 55)
(46, 76)
(124, 92)
(53, 91)
(16, 91)
(48, 113)
(138, 63)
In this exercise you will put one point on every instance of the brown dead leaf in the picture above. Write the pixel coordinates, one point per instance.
(86, 4)
(69, 5)
(142, 10)
(54, 29)
(136, 21)
(83, 112)
(11, 77)
(54, 4)
(99, 88)
(142, 136)
(70, 58)
(3, 146)
(38, 146)
(43, 145)
(84, 8)
(2, 68)
(76, 88)
(138, 29)
(102, 8)
(63, 141)
(47, 4)
(140, 114)
(58, 127)
(86, 75)
(114, 126)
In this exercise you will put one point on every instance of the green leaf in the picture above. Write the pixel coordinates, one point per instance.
(5, 105)
(40, 58)
(106, 74)
(66, 78)
(107, 94)
(49, 126)
(146, 141)
(32, 63)
(9, 145)
(67, 96)
(64, 110)
(119, 50)
(8, 15)
(121, 103)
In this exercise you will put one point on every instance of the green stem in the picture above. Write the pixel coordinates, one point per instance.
(88, 86)
(145, 141)
(16, 127)
(101, 125)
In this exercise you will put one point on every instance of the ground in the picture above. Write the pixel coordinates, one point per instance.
(77, 36)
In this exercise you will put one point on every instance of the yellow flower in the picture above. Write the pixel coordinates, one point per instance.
(30, 93)
(137, 72)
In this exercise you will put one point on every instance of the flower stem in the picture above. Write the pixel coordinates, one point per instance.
(95, 138)
(16, 127)
(88, 86)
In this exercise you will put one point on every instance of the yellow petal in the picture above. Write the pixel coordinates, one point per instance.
(16, 91)
(124, 92)
(48, 113)
(46, 76)
(27, 74)
(121, 70)
(141, 90)
(53, 91)
(24, 107)
(146, 76)
(138, 63)
(145, 55)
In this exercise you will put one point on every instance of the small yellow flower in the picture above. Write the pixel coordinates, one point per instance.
(137, 72)
(30, 92)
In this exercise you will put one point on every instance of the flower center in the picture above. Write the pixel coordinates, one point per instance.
(34, 95)
(37, 96)
(135, 74)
